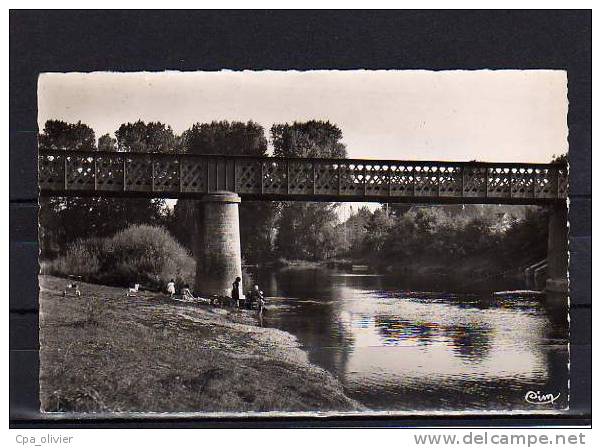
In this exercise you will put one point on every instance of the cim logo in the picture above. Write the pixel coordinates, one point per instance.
(540, 398)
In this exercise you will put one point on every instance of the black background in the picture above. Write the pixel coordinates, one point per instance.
(63, 41)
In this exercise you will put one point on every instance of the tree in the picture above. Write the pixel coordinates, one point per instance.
(353, 232)
(309, 139)
(58, 134)
(142, 137)
(305, 230)
(256, 218)
(63, 220)
(377, 231)
(107, 143)
(224, 137)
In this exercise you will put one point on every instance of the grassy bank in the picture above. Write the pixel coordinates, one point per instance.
(104, 352)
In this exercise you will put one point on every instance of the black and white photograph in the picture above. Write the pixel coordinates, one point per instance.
(282, 242)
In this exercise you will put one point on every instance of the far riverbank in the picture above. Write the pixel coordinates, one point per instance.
(457, 275)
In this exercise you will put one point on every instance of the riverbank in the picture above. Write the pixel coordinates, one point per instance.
(106, 352)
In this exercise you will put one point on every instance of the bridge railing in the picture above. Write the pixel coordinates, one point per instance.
(188, 175)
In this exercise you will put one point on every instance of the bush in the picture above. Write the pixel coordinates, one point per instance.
(83, 259)
(150, 254)
(139, 254)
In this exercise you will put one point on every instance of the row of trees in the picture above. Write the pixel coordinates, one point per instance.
(268, 230)
(486, 238)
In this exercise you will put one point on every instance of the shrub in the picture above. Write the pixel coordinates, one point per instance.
(149, 254)
(83, 259)
(139, 254)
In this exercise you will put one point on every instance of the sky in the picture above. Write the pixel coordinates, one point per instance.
(486, 115)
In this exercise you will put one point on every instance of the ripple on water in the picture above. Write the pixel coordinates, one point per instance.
(399, 349)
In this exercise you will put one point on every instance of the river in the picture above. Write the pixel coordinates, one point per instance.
(396, 346)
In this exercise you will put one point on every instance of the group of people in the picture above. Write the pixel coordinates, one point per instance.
(185, 291)
(254, 299)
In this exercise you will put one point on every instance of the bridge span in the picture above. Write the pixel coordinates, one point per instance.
(85, 173)
(221, 182)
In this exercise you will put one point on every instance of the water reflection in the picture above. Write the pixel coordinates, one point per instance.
(471, 342)
(396, 348)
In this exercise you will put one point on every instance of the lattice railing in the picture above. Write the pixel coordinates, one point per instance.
(269, 178)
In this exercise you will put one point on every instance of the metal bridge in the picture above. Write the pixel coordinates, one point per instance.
(87, 173)
(221, 182)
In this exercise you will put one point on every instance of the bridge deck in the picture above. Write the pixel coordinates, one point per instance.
(84, 173)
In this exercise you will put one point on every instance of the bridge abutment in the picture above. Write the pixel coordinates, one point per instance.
(217, 252)
(557, 252)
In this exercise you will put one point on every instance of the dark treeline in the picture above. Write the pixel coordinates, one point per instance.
(472, 238)
(446, 240)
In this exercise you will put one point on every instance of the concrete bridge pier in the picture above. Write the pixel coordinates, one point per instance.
(217, 251)
(557, 252)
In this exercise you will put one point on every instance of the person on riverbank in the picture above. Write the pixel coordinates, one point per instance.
(255, 296)
(186, 293)
(236, 292)
(171, 288)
